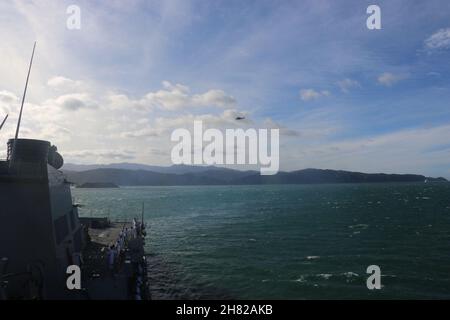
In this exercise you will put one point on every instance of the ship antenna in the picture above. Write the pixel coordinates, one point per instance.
(4, 120)
(23, 101)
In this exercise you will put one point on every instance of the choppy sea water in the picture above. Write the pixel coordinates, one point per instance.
(289, 241)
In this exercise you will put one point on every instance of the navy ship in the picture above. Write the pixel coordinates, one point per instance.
(41, 233)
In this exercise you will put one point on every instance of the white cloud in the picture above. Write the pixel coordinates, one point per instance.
(175, 97)
(346, 84)
(55, 132)
(142, 133)
(217, 98)
(226, 119)
(163, 126)
(122, 101)
(83, 124)
(8, 97)
(388, 79)
(63, 82)
(7, 100)
(438, 40)
(75, 101)
(100, 156)
(311, 94)
(433, 74)
(402, 151)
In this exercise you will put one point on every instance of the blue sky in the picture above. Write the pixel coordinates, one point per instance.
(346, 97)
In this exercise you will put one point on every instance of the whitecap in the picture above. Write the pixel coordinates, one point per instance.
(359, 226)
(350, 274)
(312, 257)
(301, 279)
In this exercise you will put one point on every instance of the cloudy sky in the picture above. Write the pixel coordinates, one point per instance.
(343, 96)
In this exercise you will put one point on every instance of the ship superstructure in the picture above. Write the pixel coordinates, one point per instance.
(40, 233)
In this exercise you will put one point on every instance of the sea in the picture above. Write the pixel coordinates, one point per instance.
(288, 241)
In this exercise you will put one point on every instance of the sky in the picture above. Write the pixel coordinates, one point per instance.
(343, 96)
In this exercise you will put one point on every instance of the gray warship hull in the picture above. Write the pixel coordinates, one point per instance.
(41, 234)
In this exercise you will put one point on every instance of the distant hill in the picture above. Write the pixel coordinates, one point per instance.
(223, 176)
(89, 185)
(332, 176)
(123, 177)
(176, 169)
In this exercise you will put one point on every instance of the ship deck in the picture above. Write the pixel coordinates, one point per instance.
(99, 281)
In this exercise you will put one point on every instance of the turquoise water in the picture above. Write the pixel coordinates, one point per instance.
(289, 241)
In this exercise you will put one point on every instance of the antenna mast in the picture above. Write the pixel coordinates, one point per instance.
(25, 93)
(4, 120)
(21, 107)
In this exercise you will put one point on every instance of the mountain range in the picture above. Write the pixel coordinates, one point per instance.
(130, 174)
